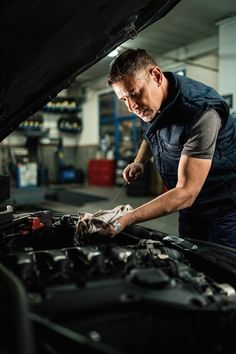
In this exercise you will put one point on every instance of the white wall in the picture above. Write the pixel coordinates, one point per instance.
(90, 113)
(90, 116)
(204, 69)
(227, 58)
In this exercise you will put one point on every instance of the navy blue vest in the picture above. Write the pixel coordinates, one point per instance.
(168, 133)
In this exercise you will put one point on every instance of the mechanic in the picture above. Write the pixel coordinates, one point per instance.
(188, 129)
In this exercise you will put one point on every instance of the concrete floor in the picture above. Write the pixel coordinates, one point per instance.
(167, 224)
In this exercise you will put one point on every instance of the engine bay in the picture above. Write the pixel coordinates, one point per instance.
(142, 289)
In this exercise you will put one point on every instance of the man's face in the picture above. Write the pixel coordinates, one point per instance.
(141, 93)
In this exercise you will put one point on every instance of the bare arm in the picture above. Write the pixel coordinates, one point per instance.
(144, 153)
(192, 173)
(134, 169)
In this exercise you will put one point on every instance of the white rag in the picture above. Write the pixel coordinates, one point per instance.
(90, 223)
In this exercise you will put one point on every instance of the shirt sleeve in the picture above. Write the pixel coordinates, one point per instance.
(201, 140)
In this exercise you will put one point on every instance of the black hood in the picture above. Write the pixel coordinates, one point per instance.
(46, 44)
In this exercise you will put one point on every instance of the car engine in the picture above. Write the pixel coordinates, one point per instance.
(140, 291)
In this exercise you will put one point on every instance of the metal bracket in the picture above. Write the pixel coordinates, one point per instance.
(130, 30)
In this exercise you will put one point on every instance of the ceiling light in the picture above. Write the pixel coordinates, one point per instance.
(114, 53)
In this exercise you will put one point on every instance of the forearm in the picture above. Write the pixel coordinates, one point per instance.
(144, 153)
(192, 173)
(167, 203)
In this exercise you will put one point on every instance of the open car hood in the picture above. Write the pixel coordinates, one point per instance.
(46, 44)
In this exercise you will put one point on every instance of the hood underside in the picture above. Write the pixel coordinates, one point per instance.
(46, 44)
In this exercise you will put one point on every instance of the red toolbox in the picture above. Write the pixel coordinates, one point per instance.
(101, 172)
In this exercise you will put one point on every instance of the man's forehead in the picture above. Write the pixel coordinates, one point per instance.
(129, 83)
(123, 88)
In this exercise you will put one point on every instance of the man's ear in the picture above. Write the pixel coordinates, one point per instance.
(156, 74)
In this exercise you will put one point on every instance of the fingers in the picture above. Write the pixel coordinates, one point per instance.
(111, 229)
(107, 230)
(132, 171)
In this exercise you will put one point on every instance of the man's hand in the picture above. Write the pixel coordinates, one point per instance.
(132, 171)
(111, 230)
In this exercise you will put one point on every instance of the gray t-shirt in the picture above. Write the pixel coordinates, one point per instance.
(202, 138)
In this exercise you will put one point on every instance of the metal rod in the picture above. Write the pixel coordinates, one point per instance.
(117, 195)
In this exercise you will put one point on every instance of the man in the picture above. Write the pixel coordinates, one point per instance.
(189, 131)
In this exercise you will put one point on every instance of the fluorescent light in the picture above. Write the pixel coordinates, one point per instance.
(114, 53)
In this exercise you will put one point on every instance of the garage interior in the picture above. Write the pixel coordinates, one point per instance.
(69, 155)
(65, 288)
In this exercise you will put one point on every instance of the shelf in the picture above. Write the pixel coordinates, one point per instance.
(118, 126)
(39, 133)
(71, 124)
(105, 120)
(61, 105)
(59, 110)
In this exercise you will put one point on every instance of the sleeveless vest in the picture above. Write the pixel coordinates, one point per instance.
(168, 133)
